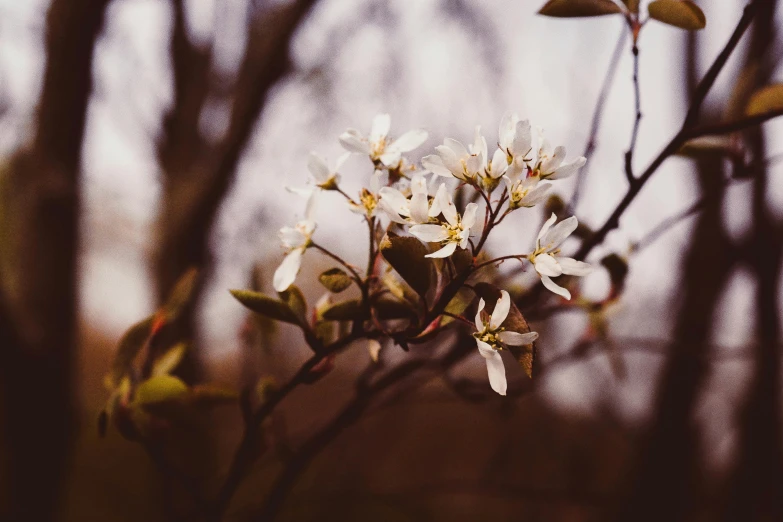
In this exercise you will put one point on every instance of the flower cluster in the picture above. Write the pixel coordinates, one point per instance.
(421, 202)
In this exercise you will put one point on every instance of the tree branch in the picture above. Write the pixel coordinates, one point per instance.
(679, 139)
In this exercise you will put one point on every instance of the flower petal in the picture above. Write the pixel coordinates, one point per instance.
(564, 171)
(435, 206)
(353, 141)
(317, 166)
(551, 163)
(495, 369)
(535, 196)
(409, 141)
(469, 218)
(506, 130)
(523, 139)
(547, 265)
(395, 199)
(386, 208)
(553, 287)
(547, 224)
(479, 322)
(499, 164)
(447, 208)
(419, 207)
(391, 158)
(446, 251)
(558, 233)
(380, 127)
(288, 269)
(456, 147)
(434, 164)
(429, 233)
(574, 267)
(517, 339)
(500, 312)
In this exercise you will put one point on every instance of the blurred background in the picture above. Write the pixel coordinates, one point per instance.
(139, 138)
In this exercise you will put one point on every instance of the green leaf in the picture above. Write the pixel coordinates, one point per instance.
(406, 256)
(294, 298)
(209, 395)
(515, 322)
(679, 13)
(128, 348)
(707, 146)
(265, 305)
(166, 363)
(181, 294)
(344, 311)
(766, 99)
(351, 310)
(579, 8)
(457, 306)
(159, 389)
(335, 280)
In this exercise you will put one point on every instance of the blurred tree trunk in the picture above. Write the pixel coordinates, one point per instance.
(754, 491)
(665, 484)
(42, 202)
(197, 172)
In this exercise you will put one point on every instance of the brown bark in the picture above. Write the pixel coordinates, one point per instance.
(42, 202)
(197, 176)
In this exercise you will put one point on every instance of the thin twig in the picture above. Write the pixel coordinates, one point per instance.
(637, 122)
(685, 133)
(598, 112)
(665, 225)
(356, 276)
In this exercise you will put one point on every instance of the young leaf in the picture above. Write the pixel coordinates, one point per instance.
(162, 388)
(457, 306)
(181, 294)
(352, 310)
(344, 311)
(128, 348)
(295, 300)
(335, 280)
(208, 395)
(406, 256)
(579, 8)
(679, 13)
(767, 99)
(265, 305)
(166, 363)
(515, 322)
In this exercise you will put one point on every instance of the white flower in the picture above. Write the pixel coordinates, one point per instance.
(416, 210)
(295, 240)
(495, 167)
(547, 259)
(550, 163)
(515, 139)
(527, 192)
(455, 232)
(368, 199)
(378, 145)
(490, 338)
(454, 159)
(325, 177)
